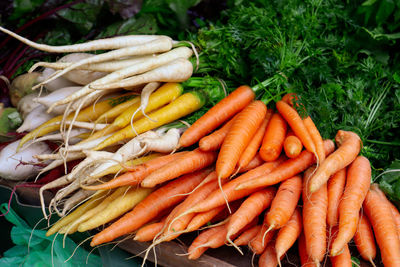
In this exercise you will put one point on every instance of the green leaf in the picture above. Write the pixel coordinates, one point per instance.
(385, 9)
(22, 7)
(369, 2)
(180, 8)
(82, 15)
(396, 77)
(389, 180)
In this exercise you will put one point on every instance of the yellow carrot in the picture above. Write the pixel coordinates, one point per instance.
(90, 113)
(182, 106)
(164, 95)
(117, 110)
(73, 226)
(116, 208)
(77, 213)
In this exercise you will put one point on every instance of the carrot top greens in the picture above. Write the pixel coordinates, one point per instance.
(346, 77)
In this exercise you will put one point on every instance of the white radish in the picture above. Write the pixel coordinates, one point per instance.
(56, 84)
(146, 65)
(55, 96)
(108, 66)
(34, 119)
(178, 70)
(22, 165)
(158, 45)
(101, 44)
(26, 104)
(82, 77)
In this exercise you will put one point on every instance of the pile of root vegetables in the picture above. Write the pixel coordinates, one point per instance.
(95, 115)
(241, 175)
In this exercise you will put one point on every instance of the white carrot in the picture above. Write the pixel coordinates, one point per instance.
(157, 141)
(85, 145)
(178, 70)
(101, 44)
(59, 162)
(53, 184)
(76, 199)
(146, 65)
(158, 45)
(59, 136)
(108, 66)
(83, 125)
(140, 67)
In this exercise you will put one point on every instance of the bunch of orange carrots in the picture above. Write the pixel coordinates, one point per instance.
(251, 183)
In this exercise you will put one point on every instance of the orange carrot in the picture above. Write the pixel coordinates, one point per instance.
(292, 99)
(335, 191)
(196, 249)
(349, 146)
(344, 258)
(222, 111)
(150, 207)
(245, 237)
(214, 140)
(297, 125)
(316, 138)
(242, 130)
(215, 240)
(254, 163)
(268, 258)
(357, 185)
(292, 146)
(252, 148)
(288, 234)
(138, 173)
(395, 211)
(149, 231)
(192, 161)
(285, 202)
(250, 209)
(315, 208)
(305, 260)
(273, 139)
(203, 218)
(287, 169)
(364, 239)
(260, 241)
(216, 198)
(381, 218)
(176, 223)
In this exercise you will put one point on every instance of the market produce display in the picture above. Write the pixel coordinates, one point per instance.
(260, 130)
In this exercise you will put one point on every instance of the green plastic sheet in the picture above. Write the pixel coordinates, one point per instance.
(34, 248)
